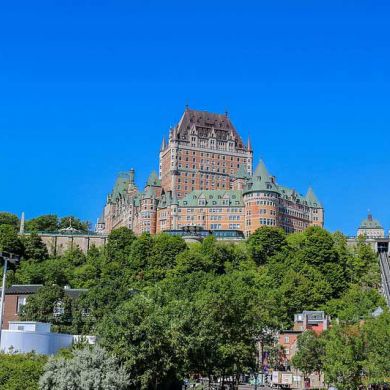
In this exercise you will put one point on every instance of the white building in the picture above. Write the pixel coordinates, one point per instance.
(31, 336)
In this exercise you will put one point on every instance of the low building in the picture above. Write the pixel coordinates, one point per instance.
(315, 321)
(32, 336)
(374, 235)
(371, 228)
(16, 297)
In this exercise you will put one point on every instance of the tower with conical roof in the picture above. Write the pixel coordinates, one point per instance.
(316, 211)
(261, 198)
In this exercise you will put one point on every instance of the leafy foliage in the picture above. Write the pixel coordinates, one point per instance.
(310, 351)
(20, 371)
(168, 310)
(9, 219)
(34, 248)
(9, 240)
(265, 242)
(52, 223)
(87, 369)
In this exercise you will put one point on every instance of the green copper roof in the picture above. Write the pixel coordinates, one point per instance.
(153, 180)
(212, 198)
(121, 184)
(370, 223)
(312, 199)
(261, 181)
(242, 172)
(149, 193)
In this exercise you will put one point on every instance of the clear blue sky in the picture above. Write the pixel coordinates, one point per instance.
(88, 88)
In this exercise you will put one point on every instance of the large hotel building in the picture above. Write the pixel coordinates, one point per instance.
(205, 179)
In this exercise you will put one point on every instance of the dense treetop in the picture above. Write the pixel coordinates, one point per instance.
(167, 309)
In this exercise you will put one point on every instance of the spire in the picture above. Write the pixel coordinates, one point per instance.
(312, 198)
(21, 230)
(163, 144)
(249, 145)
(261, 170)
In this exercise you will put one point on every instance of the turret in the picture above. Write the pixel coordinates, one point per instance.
(261, 200)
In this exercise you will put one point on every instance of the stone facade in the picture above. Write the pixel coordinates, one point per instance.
(205, 179)
(57, 242)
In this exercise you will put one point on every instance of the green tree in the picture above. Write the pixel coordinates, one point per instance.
(9, 240)
(21, 371)
(141, 251)
(74, 256)
(308, 358)
(304, 289)
(49, 304)
(265, 242)
(141, 333)
(231, 311)
(163, 254)
(355, 304)
(119, 244)
(343, 358)
(47, 223)
(9, 219)
(364, 265)
(376, 336)
(34, 248)
(89, 368)
(318, 247)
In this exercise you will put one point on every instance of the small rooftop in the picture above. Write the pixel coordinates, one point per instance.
(370, 223)
(27, 289)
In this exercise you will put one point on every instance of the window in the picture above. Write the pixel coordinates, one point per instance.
(20, 303)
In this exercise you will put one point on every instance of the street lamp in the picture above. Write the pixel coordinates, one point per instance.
(13, 259)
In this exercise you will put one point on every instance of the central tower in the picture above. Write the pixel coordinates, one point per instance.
(204, 152)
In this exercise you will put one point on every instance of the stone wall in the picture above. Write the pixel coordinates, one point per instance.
(57, 244)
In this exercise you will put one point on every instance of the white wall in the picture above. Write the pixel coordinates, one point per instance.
(40, 342)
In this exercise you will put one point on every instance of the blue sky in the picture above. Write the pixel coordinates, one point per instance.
(88, 89)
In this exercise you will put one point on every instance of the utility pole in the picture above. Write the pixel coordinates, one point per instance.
(13, 259)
